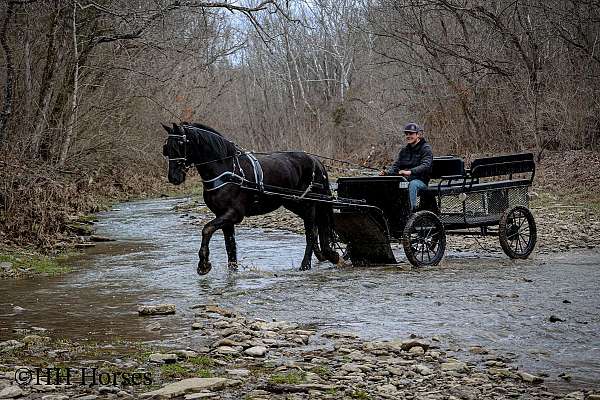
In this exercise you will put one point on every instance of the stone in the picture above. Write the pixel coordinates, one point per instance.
(87, 397)
(55, 397)
(454, 366)
(163, 358)
(387, 389)
(256, 351)
(226, 350)
(197, 325)
(154, 326)
(35, 340)
(156, 309)
(10, 392)
(351, 367)
(408, 344)
(423, 369)
(417, 350)
(190, 385)
(478, 350)
(186, 353)
(202, 395)
(241, 372)
(530, 378)
(219, 310)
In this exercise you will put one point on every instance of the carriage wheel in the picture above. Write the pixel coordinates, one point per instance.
(424, 239)
(517, 232)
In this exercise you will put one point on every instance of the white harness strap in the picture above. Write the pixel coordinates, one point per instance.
(258, 172)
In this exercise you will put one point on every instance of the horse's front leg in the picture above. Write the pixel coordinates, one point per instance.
(311, 238)
(209, 229)
(230, 246)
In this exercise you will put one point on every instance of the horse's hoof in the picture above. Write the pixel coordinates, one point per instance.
(232, 266)
(304, 267)
(203, 268)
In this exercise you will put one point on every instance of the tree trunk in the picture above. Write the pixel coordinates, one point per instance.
(10, 73)
(70, 134)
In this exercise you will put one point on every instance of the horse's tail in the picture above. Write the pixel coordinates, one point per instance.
(324, 217)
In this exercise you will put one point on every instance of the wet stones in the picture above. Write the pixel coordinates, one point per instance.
(160, 358)
(190, 385)
(256, 351)
(156, 309)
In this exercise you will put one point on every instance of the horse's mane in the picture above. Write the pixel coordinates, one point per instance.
(211, 138)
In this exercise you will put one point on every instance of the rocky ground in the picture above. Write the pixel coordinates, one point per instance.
(239, 358)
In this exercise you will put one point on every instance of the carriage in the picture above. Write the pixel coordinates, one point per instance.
(366, 213)
(488, 199)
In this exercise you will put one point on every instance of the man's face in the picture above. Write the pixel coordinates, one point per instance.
(411, 137)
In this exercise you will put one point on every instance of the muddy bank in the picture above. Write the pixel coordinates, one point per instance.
(235, 357)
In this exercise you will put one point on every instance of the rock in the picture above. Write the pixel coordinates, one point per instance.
(338, 334)
(203, 395)
(554, 318)
(87, 397)
(226, 350)
(351, 367)
(190, 385)
(387, 389)
(35, 340)
(455, 366)
(416, 350)
(256, 351)
(55, 397)
(186, 353)
(219, 310)
(530, 378)
(197, 325)
(154, 326)
(156, 309)
(408, 344)
(6, 266)
(575, 396)
(593, 397)
(10, 392)
(238, 372)
(163, 358)
(478, 350)
(423, 369)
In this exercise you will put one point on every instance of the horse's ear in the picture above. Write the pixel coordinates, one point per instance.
(177, 130)
(166, 128)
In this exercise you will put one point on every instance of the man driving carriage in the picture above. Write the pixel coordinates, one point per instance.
(413, 162)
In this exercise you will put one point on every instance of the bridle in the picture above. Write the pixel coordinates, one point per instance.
(184, 160)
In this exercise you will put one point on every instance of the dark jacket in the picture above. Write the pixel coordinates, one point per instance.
(417, 159)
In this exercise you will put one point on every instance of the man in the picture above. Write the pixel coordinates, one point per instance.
(413, 162)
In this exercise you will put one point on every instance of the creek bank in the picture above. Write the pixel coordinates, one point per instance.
(234, 357)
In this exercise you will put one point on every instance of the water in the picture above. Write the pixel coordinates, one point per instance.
(470, 299)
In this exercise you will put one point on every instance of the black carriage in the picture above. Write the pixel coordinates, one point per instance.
(488, 199)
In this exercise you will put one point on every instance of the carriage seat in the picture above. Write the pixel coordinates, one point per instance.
(447, 169)
(453, 178)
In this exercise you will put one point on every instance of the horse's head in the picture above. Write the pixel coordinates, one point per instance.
(175, 150)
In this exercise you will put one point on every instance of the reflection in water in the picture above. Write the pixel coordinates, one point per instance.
(492, 301)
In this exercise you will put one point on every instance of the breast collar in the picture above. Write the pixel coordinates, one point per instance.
(228, 177)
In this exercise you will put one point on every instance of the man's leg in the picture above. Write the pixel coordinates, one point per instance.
(413, 189)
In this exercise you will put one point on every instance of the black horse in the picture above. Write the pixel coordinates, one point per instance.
(234, 187)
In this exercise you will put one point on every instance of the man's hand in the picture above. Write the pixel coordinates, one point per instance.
(382, 173)
(404, 172)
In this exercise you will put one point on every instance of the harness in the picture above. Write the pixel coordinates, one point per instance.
(240, 180)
